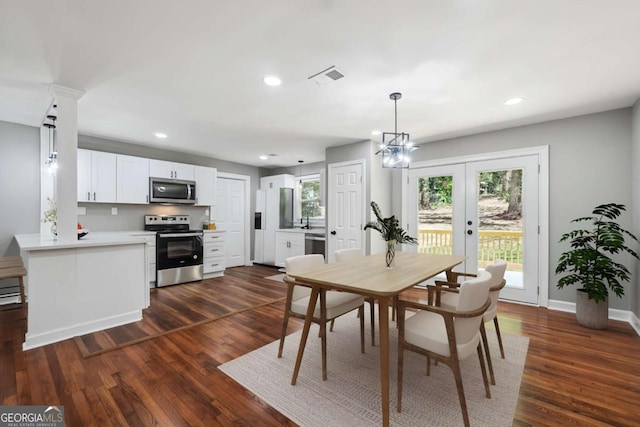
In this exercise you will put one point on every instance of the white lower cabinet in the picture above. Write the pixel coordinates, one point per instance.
(287, 245)
(213, 263)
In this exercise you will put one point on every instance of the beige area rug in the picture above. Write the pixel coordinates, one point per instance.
(351, 394)
(277, 277)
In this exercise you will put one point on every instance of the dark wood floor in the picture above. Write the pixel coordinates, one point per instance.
(572, 376)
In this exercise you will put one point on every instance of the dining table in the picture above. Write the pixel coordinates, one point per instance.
(369, 276)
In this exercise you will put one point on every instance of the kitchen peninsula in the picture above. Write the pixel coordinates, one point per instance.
(74, 288)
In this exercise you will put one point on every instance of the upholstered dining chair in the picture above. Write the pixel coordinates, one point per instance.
(353, 253)
(446, 335)
(335, 303)
(449, 299)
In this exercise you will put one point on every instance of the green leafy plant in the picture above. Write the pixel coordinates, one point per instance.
(589, 262)
(389, 228)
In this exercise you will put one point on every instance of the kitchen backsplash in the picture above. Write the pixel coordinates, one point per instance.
(99, 216)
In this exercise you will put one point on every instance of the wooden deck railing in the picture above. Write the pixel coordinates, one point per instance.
(492, 244)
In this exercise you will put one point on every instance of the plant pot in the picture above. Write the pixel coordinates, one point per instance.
(590, 313)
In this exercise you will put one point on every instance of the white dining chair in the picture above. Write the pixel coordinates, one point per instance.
(336, 304)
(347, 254)
(446, 335)
(450, 299)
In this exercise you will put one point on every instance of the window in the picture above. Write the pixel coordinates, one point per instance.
(309, 206)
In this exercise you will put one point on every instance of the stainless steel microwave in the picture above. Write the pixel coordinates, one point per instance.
(172, 191)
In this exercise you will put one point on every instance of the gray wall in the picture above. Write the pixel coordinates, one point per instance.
(589, 163)
(19, 184)
(19, 189)
(634, 295)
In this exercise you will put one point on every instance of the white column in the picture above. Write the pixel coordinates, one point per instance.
(67, 148)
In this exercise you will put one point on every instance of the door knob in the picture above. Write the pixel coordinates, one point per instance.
(469, 222)
(469, 232)
(333, 233)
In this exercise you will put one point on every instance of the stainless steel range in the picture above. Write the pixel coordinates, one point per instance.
(178, 249)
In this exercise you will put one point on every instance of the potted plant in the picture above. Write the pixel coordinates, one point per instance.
(589, 263)
(390, 231)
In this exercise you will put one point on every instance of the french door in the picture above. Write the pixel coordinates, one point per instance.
(485, 210)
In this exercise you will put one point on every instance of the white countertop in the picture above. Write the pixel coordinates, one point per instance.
(36, 242)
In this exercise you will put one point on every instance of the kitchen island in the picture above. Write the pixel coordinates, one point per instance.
(78, 287)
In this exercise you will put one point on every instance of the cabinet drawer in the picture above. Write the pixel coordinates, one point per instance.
(213, 250)
(211, 264)
(213, 238)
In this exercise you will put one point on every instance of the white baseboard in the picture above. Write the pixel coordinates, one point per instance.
(33, 341)
(614, 313)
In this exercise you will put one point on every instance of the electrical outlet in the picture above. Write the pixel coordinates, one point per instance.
(114, 211)
(81, 210)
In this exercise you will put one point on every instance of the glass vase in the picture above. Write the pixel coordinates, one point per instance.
(54, 230)
(390, 254)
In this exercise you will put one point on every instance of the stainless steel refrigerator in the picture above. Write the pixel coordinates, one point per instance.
(274, 211)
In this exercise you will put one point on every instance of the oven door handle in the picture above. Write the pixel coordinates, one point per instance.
(180, 235)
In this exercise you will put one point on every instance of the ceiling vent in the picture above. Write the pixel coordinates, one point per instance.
(329, 75)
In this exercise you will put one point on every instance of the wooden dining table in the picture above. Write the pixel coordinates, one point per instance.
(369, 277)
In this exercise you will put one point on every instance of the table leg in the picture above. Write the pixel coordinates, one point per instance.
(305, 332)
(383, 305)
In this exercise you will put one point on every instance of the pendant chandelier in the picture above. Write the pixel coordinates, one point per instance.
(396, 146)
(52, 161)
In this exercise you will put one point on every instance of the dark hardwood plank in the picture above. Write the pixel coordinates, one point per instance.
(572, 375)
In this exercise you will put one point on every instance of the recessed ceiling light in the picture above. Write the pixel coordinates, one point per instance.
(263, 157)
(375, 132)
(514, 101)
(272, 80)
(160, 135)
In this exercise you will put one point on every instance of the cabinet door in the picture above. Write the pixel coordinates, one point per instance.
(205, 185)
(296, 244)
(183, 171)
(103, 177)
(282, 248)
(84, 175)
(133, 179)
(160, 169)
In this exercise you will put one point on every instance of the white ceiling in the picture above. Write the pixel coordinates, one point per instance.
(193, 69)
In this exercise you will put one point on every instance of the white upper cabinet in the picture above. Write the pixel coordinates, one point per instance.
(133, 179)
(171, 170)
(205, 185)
(96, 176)
(277, 181)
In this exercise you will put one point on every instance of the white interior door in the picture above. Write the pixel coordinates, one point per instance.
(345, 218)
(465, 209)
(230, 217)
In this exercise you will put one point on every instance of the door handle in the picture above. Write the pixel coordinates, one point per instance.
(333, 233)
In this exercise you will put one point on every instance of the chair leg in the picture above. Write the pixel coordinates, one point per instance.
(429, 365)
(323, 331)
(495, 322)
(483, 332)
(23, 300)
(372, 309)
(400, 366)
(361, 312)
(484, 372)
(331, 327)
(455, 367)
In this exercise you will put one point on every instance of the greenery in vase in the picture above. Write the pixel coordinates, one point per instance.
(51, 215)
(389, 228)
(589, 261)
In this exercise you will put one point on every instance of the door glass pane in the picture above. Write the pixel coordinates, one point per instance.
(500, 218)
(435, 214)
